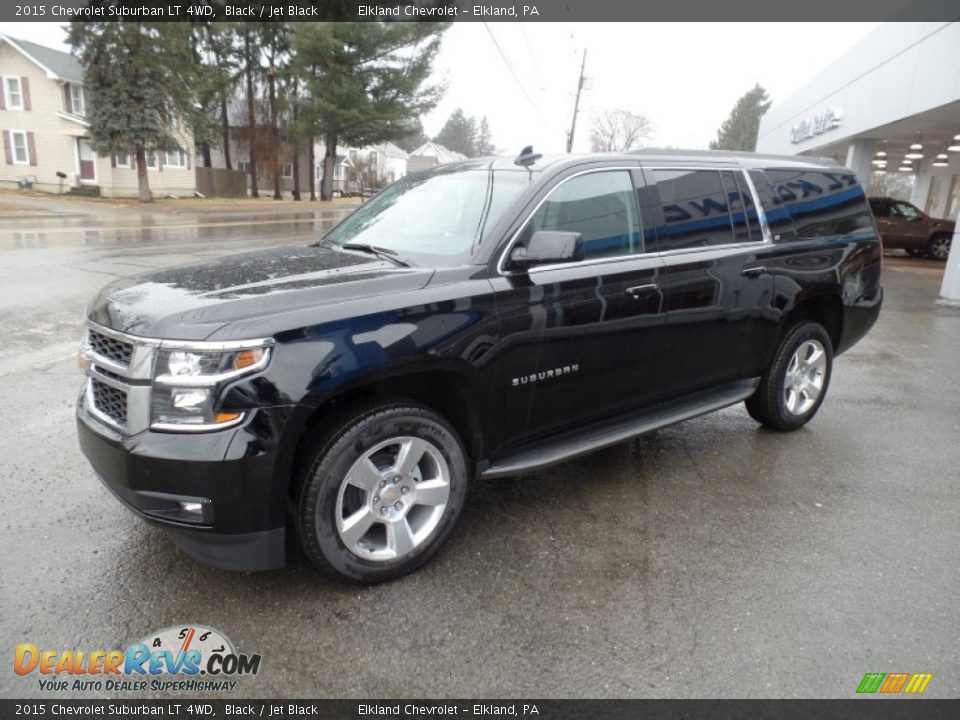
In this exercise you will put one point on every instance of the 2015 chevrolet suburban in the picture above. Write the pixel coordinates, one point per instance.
(479, 320)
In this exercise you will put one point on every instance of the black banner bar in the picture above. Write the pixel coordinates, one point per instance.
(874, 708)
(479, 11)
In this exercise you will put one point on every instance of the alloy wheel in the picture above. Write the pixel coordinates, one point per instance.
(803, 380)
(392, 499)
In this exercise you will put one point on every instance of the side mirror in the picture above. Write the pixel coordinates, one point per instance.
(548, 246)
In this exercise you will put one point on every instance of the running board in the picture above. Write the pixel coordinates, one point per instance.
(597, 436)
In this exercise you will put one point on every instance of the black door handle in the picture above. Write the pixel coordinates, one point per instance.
(754, 271)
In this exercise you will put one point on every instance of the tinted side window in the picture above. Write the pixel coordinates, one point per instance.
(737, 206)
(696, 211)
(878, 208)
(601, 206)
(823, 204)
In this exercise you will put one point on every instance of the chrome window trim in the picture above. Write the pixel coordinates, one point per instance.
(501, 270)
(722, 165)
(761, 213)
(647, 257)
(764, 227)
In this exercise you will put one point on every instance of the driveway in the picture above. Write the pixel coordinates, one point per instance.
(711, 559)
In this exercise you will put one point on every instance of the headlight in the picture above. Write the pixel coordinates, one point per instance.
(187, 383)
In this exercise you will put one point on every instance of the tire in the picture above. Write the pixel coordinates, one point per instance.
(939, 246)
(782, 405)
(366, 513)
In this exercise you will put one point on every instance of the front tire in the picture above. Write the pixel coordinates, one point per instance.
(382, 494)
(794, 386)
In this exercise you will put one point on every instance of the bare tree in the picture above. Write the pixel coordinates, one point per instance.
(618, 131)
(890, 184)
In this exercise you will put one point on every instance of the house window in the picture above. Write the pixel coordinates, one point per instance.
(122, 160)
(353, 154)
(18, 143)
(243, 165)
(286, 171)
(76, 100)
(176, 158)
(152, 160)
(13, 93)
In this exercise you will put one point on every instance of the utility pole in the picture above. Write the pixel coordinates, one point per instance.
(576, 103)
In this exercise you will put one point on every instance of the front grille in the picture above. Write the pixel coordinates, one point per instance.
(110, 401)
(110, 348)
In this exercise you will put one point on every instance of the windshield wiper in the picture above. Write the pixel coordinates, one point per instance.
(380, 252)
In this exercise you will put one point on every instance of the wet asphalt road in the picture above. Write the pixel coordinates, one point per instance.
(711, 559)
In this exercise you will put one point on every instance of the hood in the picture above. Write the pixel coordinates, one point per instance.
(194, 301)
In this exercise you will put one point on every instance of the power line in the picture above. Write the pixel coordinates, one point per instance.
(514, 73)
(533, 58)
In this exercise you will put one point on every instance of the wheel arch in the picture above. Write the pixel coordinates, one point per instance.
(446, 390)
(824, 308)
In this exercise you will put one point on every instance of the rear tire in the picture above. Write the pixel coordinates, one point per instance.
(794, 386)
(939, 246)
(382, 493)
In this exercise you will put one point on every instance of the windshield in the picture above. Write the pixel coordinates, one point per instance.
(433, 217)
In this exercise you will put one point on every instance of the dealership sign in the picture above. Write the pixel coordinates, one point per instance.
(816, 125)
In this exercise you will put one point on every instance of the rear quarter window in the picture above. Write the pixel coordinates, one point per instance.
(822, 204)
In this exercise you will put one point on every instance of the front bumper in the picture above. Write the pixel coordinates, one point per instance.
(240, 521)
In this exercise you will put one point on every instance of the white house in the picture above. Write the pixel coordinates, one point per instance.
(42, 119)
(431, 154)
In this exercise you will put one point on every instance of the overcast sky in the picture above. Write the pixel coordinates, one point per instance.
(684, 77)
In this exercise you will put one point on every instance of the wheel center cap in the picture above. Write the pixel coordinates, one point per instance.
(390, 495)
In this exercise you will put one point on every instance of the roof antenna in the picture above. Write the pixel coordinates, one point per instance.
(527, 157)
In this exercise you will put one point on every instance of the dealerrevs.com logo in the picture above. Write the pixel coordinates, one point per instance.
(189, 658)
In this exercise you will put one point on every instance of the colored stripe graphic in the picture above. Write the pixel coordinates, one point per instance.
(871, 682)
(918, 683)
(892, 683)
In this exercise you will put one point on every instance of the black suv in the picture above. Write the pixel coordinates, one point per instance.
(477, 320)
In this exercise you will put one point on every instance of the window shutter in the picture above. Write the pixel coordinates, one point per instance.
(6, 147)
(31, 149)
(67, 105)
(113, 160)
(25, 92)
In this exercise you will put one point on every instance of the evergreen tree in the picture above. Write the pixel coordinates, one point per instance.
(139, 80)
(483, 142)
(217, 74)
(459, 134)
(415, 139)
(365, 82)
(739, 131)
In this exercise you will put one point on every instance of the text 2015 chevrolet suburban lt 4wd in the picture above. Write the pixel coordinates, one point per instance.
(478, 320)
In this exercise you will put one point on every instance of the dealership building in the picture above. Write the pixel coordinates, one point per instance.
(889, 109)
